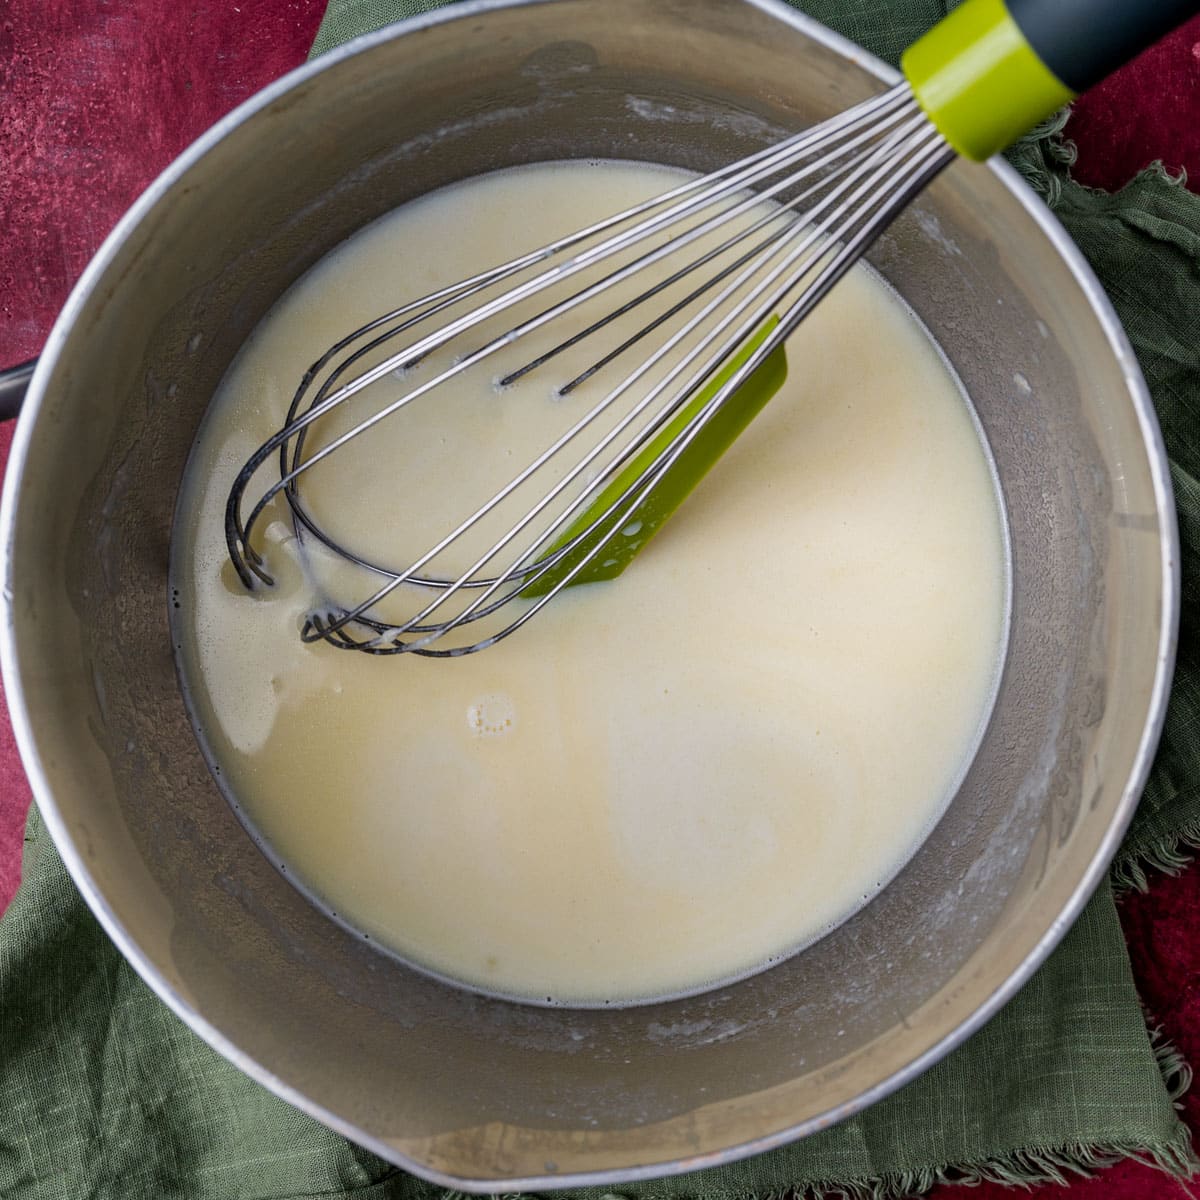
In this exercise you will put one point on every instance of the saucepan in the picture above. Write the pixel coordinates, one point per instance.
(483, 1094)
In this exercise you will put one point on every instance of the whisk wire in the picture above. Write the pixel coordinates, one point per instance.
(479, 607)
(321, 406)
(855, 125)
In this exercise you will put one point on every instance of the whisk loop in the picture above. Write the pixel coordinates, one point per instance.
(741, 274)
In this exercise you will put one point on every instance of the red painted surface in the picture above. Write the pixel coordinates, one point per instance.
(97, 96)
(1148, 110)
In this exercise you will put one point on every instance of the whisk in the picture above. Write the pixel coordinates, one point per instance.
(748, 251)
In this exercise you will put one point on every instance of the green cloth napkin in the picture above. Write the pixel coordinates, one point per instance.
(105, 1094)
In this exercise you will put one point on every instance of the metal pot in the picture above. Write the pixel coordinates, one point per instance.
(477, 1093)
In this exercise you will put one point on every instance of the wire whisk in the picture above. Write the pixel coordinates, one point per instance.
(736, 260)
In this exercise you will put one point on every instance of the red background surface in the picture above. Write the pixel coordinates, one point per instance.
(97, 96)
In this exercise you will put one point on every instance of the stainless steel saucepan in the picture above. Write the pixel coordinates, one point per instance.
(477, 1093)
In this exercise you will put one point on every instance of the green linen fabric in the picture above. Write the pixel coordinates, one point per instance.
(105, 1094)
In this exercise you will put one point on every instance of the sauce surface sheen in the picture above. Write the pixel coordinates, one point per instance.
(663, 782)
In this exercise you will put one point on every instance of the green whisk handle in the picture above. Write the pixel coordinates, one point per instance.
(992, 69)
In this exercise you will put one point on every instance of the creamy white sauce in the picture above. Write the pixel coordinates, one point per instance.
(662, 782)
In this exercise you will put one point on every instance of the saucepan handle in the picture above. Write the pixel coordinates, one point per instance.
(13, 384)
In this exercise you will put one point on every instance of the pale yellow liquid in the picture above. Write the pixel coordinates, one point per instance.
(662, 782)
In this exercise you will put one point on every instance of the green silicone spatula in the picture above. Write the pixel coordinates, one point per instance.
(611, 551)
